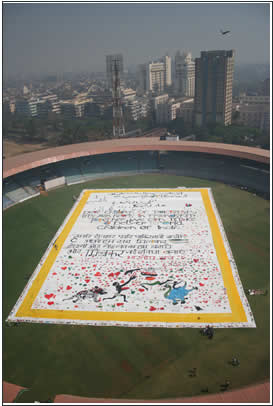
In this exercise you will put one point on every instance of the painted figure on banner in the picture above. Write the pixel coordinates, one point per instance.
(178, 293)
(87, 294)
(119, 289)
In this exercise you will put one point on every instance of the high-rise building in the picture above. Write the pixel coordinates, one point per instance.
(155, 77)
(184, 74)
(213, 87)
(111, 62)
(168, 70)
(266, 87)
(142, 78)
(161, 108)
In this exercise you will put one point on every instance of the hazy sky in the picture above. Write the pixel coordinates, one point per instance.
(76, 37)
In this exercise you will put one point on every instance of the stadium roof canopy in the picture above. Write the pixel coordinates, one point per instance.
(21, 163)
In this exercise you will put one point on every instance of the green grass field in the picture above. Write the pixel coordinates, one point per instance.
(133, 362)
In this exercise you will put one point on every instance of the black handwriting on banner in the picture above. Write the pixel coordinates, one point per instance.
(131, 220)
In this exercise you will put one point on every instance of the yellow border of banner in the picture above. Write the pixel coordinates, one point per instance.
(237, 314)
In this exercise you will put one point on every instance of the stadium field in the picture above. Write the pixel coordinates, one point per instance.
(118, 362)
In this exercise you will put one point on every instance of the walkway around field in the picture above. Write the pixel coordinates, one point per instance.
(10, 391)
(259, 393)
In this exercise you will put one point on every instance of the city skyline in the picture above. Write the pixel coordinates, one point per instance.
(55, 38)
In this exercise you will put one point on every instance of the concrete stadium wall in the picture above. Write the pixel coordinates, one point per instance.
(233, 171)
(53, 183)
(230, 164)
(30, 160)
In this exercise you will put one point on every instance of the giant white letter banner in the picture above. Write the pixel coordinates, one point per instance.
(138, 257)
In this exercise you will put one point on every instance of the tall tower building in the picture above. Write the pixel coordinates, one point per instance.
(112, 60)
(213, 87)
(184, 74)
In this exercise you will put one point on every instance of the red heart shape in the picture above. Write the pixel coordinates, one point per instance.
(196, 260)
(152, 308)
(117, 273)
(110, 275)
(83, 267)
(201, 284)
(49, 296)
(68, 287)
(94, 266)
(87, 280)
(141, 290)
(64, 268)
(54, 273)
(206, 279)
(98, 274)
(205, 301)
(50, 303)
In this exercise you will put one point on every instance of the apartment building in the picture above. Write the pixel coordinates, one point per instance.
(173, 110)
(53, 103)
(245, 99)
(22, 107)
(155, 77)
(255, 116)
(186, 110)
(138, 107)
(165, 108)
(128, 94)
(161, 108)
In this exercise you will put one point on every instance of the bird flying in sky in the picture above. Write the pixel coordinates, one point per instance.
(224, 32)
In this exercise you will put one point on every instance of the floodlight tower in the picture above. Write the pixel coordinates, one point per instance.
(118, 122)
